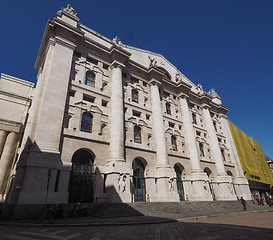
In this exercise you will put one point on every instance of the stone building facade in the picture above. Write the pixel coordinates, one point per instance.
(114, 123)
(15, 100)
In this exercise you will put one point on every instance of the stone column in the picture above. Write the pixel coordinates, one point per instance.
(163, 172)
(7, 160)
(240, 182)
(117, 166)
(213, 140)
(222, 182)
(3, 135)
(194, 183)
(117, 118)
(158, 128)
(189, 134)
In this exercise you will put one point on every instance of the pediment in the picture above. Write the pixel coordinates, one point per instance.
(94, 108)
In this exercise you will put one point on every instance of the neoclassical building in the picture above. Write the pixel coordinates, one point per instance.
(113, 123)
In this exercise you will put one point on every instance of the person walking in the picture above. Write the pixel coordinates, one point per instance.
(243, 202)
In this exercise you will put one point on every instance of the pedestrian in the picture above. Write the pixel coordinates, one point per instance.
(243, 202)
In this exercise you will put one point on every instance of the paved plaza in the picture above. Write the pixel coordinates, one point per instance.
(243, 225)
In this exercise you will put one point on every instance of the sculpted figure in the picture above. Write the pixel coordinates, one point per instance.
(122, 182)
(171, 182)
(153, 62)
(117, 41)
(206, 187)
(199, 89)
(70, 10)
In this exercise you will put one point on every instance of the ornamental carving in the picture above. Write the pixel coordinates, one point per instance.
(70, 10)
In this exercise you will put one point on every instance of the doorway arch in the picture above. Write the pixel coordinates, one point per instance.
(139, 185)
(180, 189)
(81, 179)
(209, 174)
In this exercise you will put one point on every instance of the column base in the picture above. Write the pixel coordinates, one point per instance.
(242, 188)
(196, 187)
(223, 188)
(117, 185)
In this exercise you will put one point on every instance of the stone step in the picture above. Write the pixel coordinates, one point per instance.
(167, 208)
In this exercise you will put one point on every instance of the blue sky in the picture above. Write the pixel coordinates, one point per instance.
(222, 44)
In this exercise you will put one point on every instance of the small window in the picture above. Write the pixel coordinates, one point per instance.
(90, 79)
(77, 55)
(135, 96)
(180, 127)
(105, 66)
(88, 98)
(173, 141)
(134, 80)
(198, 133)
(136, 114)
(168, 109)
(194, 118)
(137, 134)
(92, 60)
(148, 116)
(124, 75)
(201, 148)
(144, 84)
(71, 93)
(104, 103)
(171, 125)
(215, 126)
(223, 154)
(86, 124)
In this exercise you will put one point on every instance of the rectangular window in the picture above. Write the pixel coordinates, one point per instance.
(71, 93)
(136, 113)
(104, 103)
(88, 98)
(124, 75)
(92, 60)
(144, 84)
(105, 66)
(168, 109)
(171, 125)
(134, 80)
(77, 55)
(147, 116)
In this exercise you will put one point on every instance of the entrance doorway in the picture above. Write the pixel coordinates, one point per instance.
(139, 187)
(81, 180)
(179, 182)
(208, 172)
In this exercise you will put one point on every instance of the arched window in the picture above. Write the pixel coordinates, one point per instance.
(135, 96)
(137, 134)
(168, 108)
(86, 125)
(173, 141)
(90, 78)
(201, 148)
(194, 118)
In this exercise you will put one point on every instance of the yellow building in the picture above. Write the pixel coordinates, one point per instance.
(253, 160)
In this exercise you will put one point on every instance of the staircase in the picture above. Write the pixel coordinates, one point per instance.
(112, 210)
(172, 209)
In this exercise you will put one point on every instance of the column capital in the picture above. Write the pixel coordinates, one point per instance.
(183, 96)
(117, 64)
(205, 106)
(154, 82)
(223, 116)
